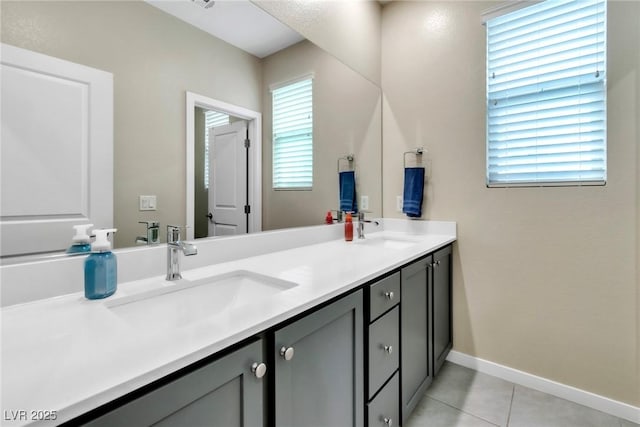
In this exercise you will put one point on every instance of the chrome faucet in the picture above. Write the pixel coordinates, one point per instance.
(361, 222)
(174, 246)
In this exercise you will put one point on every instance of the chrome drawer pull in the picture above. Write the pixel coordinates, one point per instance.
(388, 295)
(287, 353)
(259, 369)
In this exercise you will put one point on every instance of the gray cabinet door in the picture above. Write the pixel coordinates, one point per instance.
(321, 385)
(415, 335)
(224, 393)
(442, 334)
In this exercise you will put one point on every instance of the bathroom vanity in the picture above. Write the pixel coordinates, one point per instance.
(353, 335)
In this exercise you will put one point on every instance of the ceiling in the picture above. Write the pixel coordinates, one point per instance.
(238, 22)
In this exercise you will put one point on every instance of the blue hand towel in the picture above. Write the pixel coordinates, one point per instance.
(348, 201)
(413, 189)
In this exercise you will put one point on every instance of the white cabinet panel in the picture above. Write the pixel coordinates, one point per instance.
(57, 150)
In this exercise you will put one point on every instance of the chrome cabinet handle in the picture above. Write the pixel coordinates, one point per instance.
(388, 348)
(287, 352)
(388, 295)
(436, 264)
(259, 369)
(388, 421)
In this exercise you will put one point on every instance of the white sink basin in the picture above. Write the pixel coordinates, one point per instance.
(188, 301)
(388, 241)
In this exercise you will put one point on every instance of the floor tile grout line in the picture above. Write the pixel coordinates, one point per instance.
(513, 392)
(462, 410)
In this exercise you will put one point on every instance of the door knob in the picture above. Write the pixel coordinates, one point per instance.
(259, 369)
(210, 216)
(287, 352)
(388, 348)
(388, 421)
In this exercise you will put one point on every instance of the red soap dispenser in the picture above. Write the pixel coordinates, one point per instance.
(348, 228)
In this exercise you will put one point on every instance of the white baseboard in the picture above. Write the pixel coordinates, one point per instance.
(582, 397)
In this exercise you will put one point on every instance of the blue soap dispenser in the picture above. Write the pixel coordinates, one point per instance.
(81, 242)
(100, 268)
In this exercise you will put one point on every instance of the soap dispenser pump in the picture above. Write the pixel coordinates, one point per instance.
(100, 268)
(81, 241)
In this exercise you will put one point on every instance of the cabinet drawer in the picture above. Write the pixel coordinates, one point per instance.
(384, 410)
(384, 340)
(383, 295)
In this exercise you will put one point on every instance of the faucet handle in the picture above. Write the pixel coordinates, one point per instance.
(173, 233)
(361, 214)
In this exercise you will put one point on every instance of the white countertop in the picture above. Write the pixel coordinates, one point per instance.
(70, 355)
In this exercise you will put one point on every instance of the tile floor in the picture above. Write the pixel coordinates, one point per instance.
(462, 397)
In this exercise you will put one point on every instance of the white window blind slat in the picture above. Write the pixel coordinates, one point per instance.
(546, 22)
(546, 94)
(524, 59)
(293, 135)
(539, 13)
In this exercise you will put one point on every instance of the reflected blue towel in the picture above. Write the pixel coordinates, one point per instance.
(413, 189)
(348, 201)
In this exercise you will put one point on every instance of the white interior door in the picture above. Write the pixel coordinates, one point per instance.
(228, 179)
(60, 172)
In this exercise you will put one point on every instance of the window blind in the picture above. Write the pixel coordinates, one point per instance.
(212, 119)
(546, 95)
(293, 135)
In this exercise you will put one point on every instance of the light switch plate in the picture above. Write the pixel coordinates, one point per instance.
(148, 203)
(364, 202)
(399, 203)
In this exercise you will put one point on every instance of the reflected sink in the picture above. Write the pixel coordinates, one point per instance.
(189, 301)
(388, 241)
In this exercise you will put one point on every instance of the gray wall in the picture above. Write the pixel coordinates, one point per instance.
(349, 30)
(201, 194)
(346, 119)
(545, 279)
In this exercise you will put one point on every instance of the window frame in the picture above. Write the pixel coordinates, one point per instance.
(512, 7)
(274, 88)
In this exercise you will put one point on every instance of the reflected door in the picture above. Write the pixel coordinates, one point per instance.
(228, 192)
(56, 155)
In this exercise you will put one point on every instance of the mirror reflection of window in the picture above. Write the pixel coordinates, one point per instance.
(293, 135)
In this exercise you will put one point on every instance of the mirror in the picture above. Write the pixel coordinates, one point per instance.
(156, 59)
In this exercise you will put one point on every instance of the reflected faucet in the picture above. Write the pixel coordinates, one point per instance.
(339, 215)
(361, 222)
(152, 237)
(174, 246)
